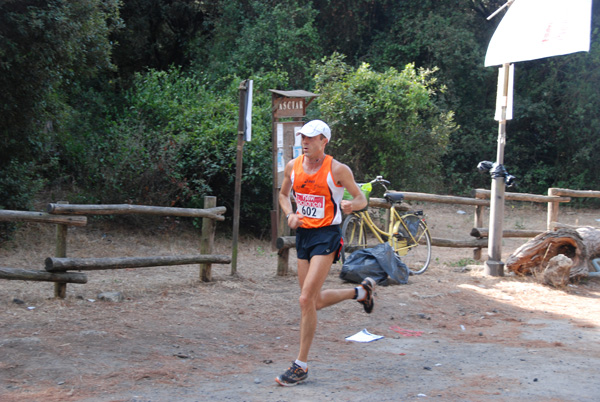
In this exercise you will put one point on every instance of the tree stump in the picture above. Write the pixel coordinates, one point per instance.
(580, 244)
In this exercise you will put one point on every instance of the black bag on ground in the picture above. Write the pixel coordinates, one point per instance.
(379, 262)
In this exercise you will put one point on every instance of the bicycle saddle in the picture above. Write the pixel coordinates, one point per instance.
(394, 197)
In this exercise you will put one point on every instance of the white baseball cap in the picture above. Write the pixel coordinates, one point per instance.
(314, 128)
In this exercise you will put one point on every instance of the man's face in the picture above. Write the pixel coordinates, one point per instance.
(313, 146)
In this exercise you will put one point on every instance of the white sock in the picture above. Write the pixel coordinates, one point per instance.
(361, 293)
(303, 365)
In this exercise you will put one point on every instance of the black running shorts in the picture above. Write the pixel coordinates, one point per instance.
(319, 241)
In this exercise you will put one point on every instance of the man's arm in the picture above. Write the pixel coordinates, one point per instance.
(294, 220)
(344, 176)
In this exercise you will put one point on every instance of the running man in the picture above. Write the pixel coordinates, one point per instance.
(317, 182)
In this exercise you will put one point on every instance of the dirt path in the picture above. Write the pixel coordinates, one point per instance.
(451, 334)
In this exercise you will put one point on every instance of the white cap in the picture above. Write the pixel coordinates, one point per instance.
(314, 128)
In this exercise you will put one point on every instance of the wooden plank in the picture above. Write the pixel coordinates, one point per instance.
(41, 217)
(54, 264)
(43, 276)
(121, 209)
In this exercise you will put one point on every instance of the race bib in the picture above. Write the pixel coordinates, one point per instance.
(312, 206)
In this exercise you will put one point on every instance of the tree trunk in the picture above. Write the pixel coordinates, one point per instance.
(581, 245)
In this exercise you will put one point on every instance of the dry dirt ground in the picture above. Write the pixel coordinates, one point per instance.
(451, 334)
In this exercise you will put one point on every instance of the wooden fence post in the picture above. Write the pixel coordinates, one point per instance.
(478, 224)
(60, 288)
(208, 239)
(283, 261)
(552, 210)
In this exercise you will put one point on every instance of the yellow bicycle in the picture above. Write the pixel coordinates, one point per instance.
(407, 233)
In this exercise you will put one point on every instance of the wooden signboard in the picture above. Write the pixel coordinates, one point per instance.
(289, 107)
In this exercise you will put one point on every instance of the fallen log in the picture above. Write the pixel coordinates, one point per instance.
(55, 264)
(580, 244)
(41, 276)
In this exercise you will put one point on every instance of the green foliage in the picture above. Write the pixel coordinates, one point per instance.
(254, 36)
(159, 34)
(350, 27)
(172, 142)
(555, 127)
(136, 101)
(19, 183)
(385, 123)
(451, 36)
(45, 46)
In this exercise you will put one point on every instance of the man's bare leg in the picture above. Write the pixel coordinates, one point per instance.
(311, 277)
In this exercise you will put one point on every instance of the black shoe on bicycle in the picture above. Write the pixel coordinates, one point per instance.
(368, 302)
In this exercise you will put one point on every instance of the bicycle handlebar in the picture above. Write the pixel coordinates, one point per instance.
(380, 180)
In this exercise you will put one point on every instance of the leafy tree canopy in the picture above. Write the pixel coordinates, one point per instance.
(385, 123)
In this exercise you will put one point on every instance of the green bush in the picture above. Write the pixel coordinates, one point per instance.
(173, 141)
(385, 123)
(19, 184)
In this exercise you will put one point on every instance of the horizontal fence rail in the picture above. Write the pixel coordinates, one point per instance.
(41, 217)
(64, 215)
(442, 199)
(55, 264)
(481, 193)
(479, 233)
(43, 276)
(215, 213)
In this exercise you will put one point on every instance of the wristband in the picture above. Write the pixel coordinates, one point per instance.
(288, 215)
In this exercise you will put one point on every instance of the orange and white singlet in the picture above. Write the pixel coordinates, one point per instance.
(317, 195)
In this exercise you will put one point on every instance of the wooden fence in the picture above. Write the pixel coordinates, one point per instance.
(479, 233)
(65, 215)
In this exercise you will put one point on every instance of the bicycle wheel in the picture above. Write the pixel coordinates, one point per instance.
(353, 233)
(414, 243)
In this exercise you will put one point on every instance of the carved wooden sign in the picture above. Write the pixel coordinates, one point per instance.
(289, 107)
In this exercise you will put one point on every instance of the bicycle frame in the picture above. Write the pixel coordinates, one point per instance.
(400, 246)
(407, 234)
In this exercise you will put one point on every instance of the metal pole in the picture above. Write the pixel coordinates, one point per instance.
(494, 265)
(238, 177)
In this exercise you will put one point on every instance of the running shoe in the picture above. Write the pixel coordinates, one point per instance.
(293, 376)
(368, 302)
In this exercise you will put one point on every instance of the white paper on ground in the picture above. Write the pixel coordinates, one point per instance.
(363, 336)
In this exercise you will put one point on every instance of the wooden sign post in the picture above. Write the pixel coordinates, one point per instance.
(288, 109)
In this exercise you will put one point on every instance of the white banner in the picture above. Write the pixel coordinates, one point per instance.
(248, 111)
(533, 29)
